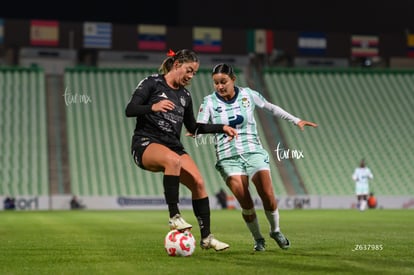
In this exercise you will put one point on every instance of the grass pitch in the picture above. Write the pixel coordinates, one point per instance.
(131, 242)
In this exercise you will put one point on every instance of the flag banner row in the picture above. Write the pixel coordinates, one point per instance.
(99, 35)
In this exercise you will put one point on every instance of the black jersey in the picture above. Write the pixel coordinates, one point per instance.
(163, 127)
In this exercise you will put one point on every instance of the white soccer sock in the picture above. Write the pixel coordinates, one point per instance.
(254, 225)
(363, 205)
(254, 229)
(273, 218)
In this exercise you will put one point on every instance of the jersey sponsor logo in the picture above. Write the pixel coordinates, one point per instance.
(235, 120)
(219, 109)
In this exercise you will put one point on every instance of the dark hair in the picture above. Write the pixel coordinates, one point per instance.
(183, 56)
(223, 68)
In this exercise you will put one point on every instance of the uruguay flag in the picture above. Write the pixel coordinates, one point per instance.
(97, 35)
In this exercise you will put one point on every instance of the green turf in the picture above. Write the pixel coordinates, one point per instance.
(131, 242)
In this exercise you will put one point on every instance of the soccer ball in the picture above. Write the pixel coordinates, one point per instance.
(179, 243)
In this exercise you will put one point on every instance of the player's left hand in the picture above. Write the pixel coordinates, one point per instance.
(230, 132)
(301, 124)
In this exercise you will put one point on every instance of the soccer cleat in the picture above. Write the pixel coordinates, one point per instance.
(177, 222)
(259, 244)
(211, 242)
(280, 239)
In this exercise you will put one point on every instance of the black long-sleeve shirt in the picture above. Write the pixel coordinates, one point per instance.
(164, 127)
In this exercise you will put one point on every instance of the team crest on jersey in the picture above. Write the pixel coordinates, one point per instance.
(245, 102)
(182, 101)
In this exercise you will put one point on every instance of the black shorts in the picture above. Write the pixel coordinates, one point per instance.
(139, 147)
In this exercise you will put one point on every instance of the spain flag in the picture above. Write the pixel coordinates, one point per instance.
(44, 33)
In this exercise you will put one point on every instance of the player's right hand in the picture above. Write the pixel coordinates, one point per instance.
(163, 106)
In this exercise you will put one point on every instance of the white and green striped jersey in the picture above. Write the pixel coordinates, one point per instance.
(238, 113)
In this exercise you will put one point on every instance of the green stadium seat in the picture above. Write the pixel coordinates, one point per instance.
(361, 114)
(23, 136)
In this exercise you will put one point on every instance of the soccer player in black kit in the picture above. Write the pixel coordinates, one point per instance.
(161, 105)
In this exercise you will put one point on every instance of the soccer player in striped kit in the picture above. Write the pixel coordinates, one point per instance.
(244, 158)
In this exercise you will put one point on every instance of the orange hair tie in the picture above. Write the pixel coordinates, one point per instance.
(171, 53)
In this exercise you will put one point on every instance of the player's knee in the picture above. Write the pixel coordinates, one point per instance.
(249, 214)
(172, 162)
(199, 185)
(269, 204)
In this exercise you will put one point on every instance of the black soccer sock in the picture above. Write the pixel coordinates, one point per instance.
(171, 193)
(201, 210)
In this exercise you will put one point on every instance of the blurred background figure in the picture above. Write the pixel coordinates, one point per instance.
(361, 176)
(9, 203)
(222, 198)
(75, 203)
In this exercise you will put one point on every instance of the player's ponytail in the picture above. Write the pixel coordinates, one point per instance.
(182, 56)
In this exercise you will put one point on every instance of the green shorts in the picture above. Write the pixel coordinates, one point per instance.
(244, 164)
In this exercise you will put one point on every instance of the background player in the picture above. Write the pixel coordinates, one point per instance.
(361, 176)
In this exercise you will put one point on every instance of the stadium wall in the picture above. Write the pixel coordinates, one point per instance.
(61, 202)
